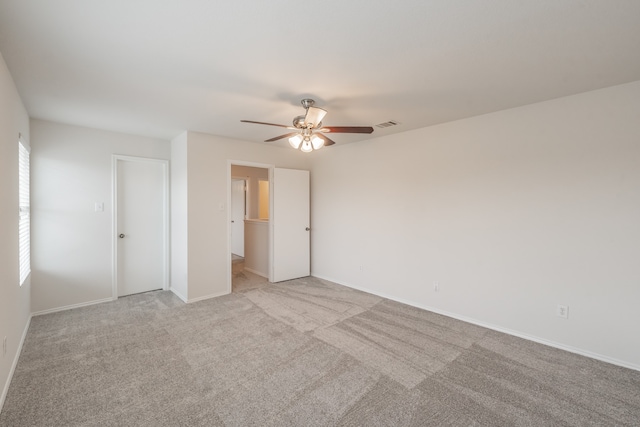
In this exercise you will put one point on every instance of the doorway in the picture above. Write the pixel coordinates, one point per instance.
(277, 248)
(249, 225)
(140, 215)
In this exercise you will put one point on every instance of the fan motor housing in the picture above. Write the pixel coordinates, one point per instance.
(298, 123)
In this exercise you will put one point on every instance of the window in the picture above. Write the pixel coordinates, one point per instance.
(24, 224)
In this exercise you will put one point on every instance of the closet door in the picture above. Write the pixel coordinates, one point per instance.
(141, 231)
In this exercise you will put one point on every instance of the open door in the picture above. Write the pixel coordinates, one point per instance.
(291, 225)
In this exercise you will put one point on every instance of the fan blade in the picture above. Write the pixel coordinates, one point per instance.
(314, 116)
(268, 124)
(347, 129)
(287, 135)
(327, 141)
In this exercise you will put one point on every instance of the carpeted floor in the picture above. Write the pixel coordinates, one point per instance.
(302, 353)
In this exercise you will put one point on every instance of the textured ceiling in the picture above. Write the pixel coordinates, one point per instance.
(157, 68)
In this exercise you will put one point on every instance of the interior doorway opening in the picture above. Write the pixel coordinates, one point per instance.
(276, 248)
(250, 229)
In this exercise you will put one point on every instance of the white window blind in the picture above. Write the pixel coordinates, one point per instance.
(24, 208)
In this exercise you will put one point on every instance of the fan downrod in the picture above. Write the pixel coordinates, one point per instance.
(307, 102)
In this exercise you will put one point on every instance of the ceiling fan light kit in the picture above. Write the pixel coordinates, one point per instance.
(306, 143)
(306, 146)
(295, 141)
(308, 137)
(317, 142)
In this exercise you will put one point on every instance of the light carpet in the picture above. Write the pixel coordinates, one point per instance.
(300, 353)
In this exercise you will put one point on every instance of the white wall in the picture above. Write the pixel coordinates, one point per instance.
(208, 176)
(71, 243)
(179, 216)
(512, 213)
(15, 308)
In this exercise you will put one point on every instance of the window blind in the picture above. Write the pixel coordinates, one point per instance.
(24, 210)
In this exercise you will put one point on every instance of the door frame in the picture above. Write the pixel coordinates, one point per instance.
(246, 200)
(270, 168)
(114, 216)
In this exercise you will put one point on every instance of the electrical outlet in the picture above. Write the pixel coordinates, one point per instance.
(436, 287)
(562, 311)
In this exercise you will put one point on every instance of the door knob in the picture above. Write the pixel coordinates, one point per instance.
(121, 236)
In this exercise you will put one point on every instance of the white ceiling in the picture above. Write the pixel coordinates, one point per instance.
(159, 67)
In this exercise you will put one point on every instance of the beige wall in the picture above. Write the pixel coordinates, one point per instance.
(512, 213)
(256, 251)
(14, 299)
(71, 243)
(208, 184)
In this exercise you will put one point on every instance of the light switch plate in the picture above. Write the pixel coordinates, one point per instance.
(562, 311)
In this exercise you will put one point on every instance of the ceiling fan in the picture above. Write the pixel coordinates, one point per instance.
(308, 135)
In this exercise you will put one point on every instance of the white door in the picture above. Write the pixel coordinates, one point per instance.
(141, 206)
(238, 207)
(291, 241)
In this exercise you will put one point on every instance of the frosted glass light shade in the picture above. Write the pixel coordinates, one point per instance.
(306, 146)
(317, 142)
(295, 141)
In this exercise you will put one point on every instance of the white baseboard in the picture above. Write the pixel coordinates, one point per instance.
(259, 273)
(179, 295)
(186, 300)
(497, 328)
(5, 390)
(69, 307)
(207, 297)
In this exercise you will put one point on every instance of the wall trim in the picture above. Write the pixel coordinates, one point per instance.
(14, 364)
(206, 297)
(179, 295)
(69, 307)
(259, 273)
(497, 328)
